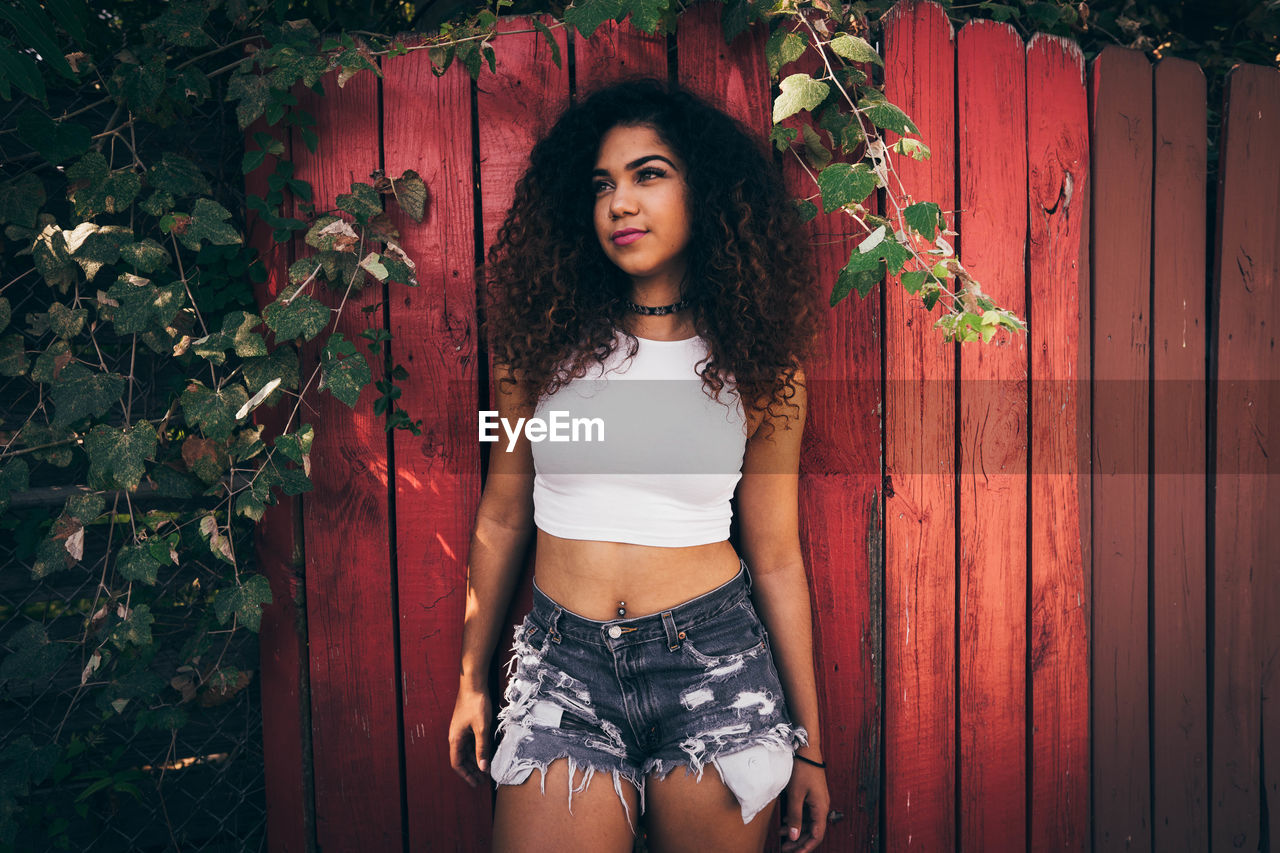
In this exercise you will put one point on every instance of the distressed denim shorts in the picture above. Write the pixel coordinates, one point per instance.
(693, 685)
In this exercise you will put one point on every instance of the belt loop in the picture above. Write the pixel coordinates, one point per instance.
(552, 631)
(673, 637)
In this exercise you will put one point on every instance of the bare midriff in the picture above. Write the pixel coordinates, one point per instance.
(590, 578)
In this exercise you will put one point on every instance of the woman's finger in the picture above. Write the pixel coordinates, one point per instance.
(795, 814)
(482, 748)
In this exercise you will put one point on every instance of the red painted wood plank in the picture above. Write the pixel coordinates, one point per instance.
(840, 517)
(1180, 710)
(437, 476)
(1120, 113)
(993, 443)
(615, 51)
(735, 75)
(282, 641)
(1058, 320)
(1247, 491)
(920, 740)
(355, 721)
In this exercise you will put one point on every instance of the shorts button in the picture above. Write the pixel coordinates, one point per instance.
(615, 632)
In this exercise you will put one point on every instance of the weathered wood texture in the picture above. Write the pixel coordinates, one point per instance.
(920, 467)
(1179, 716)
(964, 615)
(1058, 314)
(1246, 551)
(992, 524)
(1120, 113)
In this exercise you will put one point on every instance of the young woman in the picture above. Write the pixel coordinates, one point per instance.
(651, 274)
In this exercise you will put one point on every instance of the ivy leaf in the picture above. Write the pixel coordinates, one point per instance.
(853, 280)
(782, 137)
(178, 176)
(134, 629)
(237, 333)
(783, 47)
(33, 658)
(94, 188)
(13, 355)
(363, 202)
(66, 322)
(181, 24)
(146, 257)
(302, 317)
(646, 15)
(141, 305)
(13, 478)
(372, 265)
(212, 412)
(590, 14)
(886, 116)
(844, 128)
(913, 148)
(924, 217)
(281, 363)
(913, 280)
(245, 600)
(855, 49)
(806, 209)
(159, 204)
(83, 393)
(411, 193)
(845, 183)
(116, 456)
(94, 247)
(136, 563)
(815, 152)
(206, 222)
(205, 458)
(799, 92)
(251, 90)
(21, 200)
(297, 446)
(343, 370)
(551, 40)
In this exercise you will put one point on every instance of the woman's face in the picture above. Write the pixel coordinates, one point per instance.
(640, 186)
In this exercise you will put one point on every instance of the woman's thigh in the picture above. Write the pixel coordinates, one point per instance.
(527, 821)
(684, 813)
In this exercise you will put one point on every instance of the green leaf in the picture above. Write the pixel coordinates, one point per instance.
(300, 317)
(116, 456)
(13, 355)
(32, 658)
(296, 446)
(93, 247)
(363, 202)
(924, 217)
(251, 91)
(551, 40)
(35, 30)
(212, 412)
(134, 629)
(585, 17)
(855, 49)
(136, 563)
(55, 142)
(83, 393)
(21, 69)
(281, 363)
(913, 148)
(5, 313)
(845, 183)
(85, 508)
(245, 600)
(159, 204)
(815, 152)
(181, 24)
(179, 176)
(66, 322)
(646, 15)
(913, 280)
(143, 307)
(21, 200)
(207, 222)
(13, 478)
(783, 47)
(237, 333)
(844, 128)
(145, 257)
(343, 370)
(886, 116)
(781, 137)
(411, 194)
(806, 208)
(853, 280)
(799, 92)
(94, 188)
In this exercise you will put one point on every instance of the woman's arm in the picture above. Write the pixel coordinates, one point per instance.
(504, 522)
(768, 504)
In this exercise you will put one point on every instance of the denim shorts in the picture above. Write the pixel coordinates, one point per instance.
(692, 686)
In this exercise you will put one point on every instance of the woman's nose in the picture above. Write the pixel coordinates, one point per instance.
(621, 203)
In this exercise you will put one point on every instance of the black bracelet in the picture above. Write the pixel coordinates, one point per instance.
(800, 757)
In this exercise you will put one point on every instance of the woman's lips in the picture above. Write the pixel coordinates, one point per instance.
(628, 238)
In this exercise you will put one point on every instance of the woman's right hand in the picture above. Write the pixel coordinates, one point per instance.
(470, 732)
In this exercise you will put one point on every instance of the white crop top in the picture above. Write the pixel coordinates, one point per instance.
(645, 454)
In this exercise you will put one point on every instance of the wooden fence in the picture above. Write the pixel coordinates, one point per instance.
(1044, 570)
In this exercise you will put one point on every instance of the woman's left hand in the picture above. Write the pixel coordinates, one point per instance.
(808, 803)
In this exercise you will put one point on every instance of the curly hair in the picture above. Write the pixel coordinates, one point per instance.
(554, 299)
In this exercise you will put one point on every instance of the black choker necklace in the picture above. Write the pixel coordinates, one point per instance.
(657, 310)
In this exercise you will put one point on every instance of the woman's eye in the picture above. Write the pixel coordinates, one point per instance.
(657, 173)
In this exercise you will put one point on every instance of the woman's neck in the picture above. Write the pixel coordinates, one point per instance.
(672, 327)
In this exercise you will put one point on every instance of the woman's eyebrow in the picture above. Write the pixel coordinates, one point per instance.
(636, 163)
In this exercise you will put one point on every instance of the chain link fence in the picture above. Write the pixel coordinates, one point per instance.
(153, 750)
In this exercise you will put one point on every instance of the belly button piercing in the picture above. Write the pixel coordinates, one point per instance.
(622, 608)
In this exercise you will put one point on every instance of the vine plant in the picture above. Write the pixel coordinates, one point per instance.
(123, 245)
